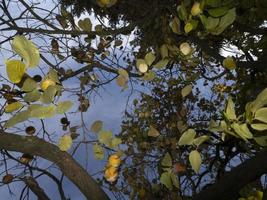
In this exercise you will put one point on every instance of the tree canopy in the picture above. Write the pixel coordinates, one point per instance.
(193, 73)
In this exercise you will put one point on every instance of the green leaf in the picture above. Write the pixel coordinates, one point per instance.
(259, 127)
(187, 138)
(164, 51)
(242, 131)
(29, 85)
(188, 27)
(261, 115)
(32, 96)
(53, 75)
(19, 117)
(195, 160)
(15, 70)
(182, 12)
(64, 106)
(161, 64)
(200, 140)
(166, 180)
(13, 107)
(27, 50)
(85, 24)
(153, 132)
(149, 58)
(105, 137)
(218, 12)
(209, 23)
(115, 142)
(175, 181)
(49, 95)
(186, 90)
(230, 110)
(65, 143)
(213, 3)
(42, 112)
(260, 101)
(167, 160)
(96, 126)
(225, 21)
(175, 26)
(262, 141)
(149, 76)
(98, 152)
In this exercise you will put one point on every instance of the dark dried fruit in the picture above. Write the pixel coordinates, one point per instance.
(37, 78)
(64, 121)
(26, 158)
(30, 130)
(7, 178)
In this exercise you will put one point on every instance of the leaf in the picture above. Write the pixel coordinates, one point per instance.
(19, 117)
(188, 27)
(187, 138)
(98, 152)
(259, 127)
(65, 143)
(53, 75)
(230, 110)
(161, 64)
(85, 24)
(182, 12)
(185, 48)
(153, 132)
(115, 142)
(149, 76)
(165, 179)
(259, 102)
(122, 81)
(42, 112)
(195, 160)
(141, 65)
(175, 181)
(167, 160)
(186, 90)
(13, 107)
(29, 85)
(225, 21)
(123, 73)
(200, 140)
(96, 126)
(242, 131)
(164, 51)
(63, 106)
(175, 26)
(32, 96)
(210, 23)
(262, 141)
(49, 95)
(27, 50)
(15, 70)
(218, 12)
(229, 63)
(105, 137)
(149, 58)
(261, 115)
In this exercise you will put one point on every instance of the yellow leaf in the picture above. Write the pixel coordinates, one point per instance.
(46, 83)
(111, 174)
(153, 132)
(27, 50)
(195, 160)
(196, 10)
(106, 3)
(13, 107)
(96, 126)
(185, 48)
(229, 63)
(15, 70)
(114, 160)
(65, 143)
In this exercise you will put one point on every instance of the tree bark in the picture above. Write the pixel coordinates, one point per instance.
(230, 184)
(71, 169)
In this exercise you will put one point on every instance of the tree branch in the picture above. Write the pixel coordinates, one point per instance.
(230, 184)
(70, 168)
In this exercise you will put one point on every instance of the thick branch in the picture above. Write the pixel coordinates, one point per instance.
(35, 188)
(230, 184)
(48, 151)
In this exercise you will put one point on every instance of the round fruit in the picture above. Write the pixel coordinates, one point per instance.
(30, 130)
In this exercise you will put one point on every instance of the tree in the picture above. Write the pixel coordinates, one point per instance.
(195, 123)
